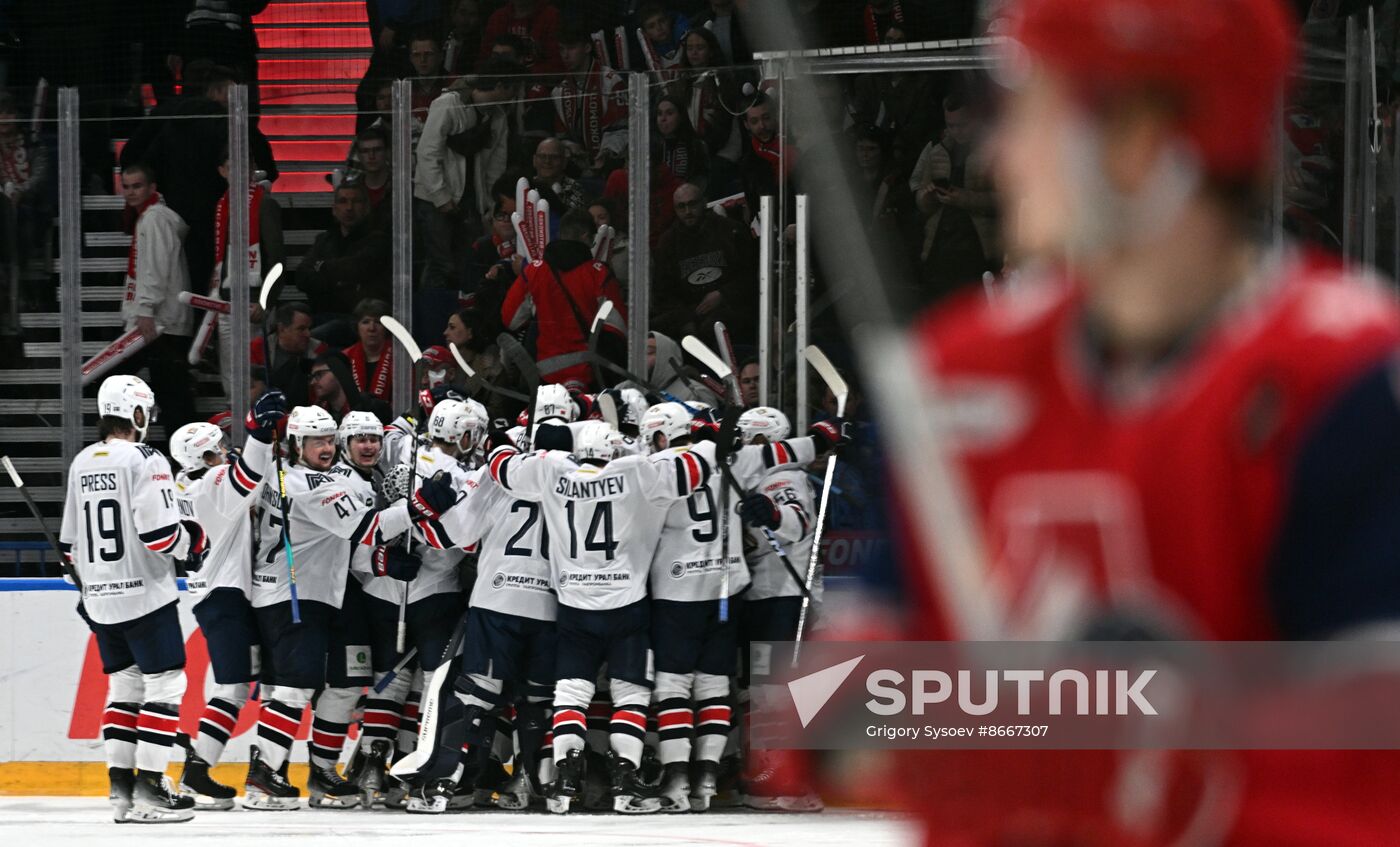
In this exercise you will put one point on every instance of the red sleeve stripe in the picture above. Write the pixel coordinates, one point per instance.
(692, 470)
(368, 530)
(801, 516)
(436, 534)
(243, 478)
(161, 540)
(498, 467)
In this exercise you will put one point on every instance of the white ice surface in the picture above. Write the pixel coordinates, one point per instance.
(33, 821)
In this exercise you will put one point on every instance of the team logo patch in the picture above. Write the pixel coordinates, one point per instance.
(498, 581)
(357, 660)
(677, 570)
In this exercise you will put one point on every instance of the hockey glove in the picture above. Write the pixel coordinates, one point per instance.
(549, 436)
(758, 510)
(702, 429)
(395, 563)
(434, 496)
(267, 412)
(199, 546)
(830, 434)
(587, 406)
(498, 436)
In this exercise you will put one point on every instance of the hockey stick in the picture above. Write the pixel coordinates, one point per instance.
(38, 516)
(518, 357)
(711, 360)
(837, 385)
(397, 669)
(691, 376)
(415, 355)
(697, 348)
(728, 426)
(479, 381)
(725, 346)
(126, 346)
(264, 298)
(607, 407)
(599, 320)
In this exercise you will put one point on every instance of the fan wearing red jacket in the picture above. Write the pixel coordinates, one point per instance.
(563, 292)
(1183, 431)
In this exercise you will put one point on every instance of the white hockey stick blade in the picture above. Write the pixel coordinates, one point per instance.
(601, 317)
(708, 357)
(606, 405)
(827, 371)
(404, 337)
(10, 469)
(461, 362)
(265, 291)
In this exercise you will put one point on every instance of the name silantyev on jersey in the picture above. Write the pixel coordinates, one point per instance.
(220, 500)
(439, 571)
(791, 491)
(602, 522)
(121, 523)
(327, 516)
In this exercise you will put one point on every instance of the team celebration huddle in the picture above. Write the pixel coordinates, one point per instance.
(555, 614)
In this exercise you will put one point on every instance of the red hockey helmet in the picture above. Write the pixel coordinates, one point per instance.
(1223, 61)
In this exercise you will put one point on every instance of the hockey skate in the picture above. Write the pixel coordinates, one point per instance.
(775, 784)
(517, 794)
(155, 800)
(675, 788)
(122, 784)
(704, 785)
(727, 790)
(568, 784)
(267, 790)
(491, 778)
(329, 790)
(628, 794)
(371, 772)
(195, 781)
(431, 798)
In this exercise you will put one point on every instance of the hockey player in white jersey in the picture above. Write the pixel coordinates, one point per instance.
(698, 577)
(330, 515)
(782, 503)
(121, 530)
(602, 514)
(219, 494)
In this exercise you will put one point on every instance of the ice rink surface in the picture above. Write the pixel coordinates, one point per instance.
(33, 821)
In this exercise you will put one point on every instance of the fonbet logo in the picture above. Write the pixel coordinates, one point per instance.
(1100, 692)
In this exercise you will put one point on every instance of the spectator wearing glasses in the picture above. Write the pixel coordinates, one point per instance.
(292, 350)
(550, 160)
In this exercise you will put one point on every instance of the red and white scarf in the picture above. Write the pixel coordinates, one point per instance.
(775, 154)
(872, 30)
(375, 384)
(255, 196)
(129, 218)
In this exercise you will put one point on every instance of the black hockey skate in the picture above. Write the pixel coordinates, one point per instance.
(195, 781)
(432, 797)
(568, 783)
(122, 784)
(704, 785)
(629, 796)
(267, 790)
(674, 793)
(329, 790)
(371, 772)
(155, 800)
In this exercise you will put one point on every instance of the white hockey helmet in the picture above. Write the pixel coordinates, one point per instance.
(450, 420)
(191, 441)
(669, 419)
(121, 395)
(479, 419)
(354, 424)
(553, 401)
(634, 405)
(596, 440)
(765, 421)
(309, 422)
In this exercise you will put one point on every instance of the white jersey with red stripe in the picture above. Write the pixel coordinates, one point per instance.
(603, 522)
(438, 575)
(221, 499)
(513, 573)
(332, 514)
(121, 527)
(790, 489)
(689, 563)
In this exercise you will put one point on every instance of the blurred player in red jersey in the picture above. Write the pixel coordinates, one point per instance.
(1193, 434)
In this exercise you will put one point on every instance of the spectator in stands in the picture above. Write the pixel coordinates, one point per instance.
(766, 155)
(292, 351)
(886, 21)
(535, 21)
(706, 271)
(904, 105)
(604, 212)
(663, 190)
(395, 23)
(425, 57)
(722, 20)
(348, 262)
(495, 261)
(471, 331)
(464, 34)
(331, 386)
(881, 191)
(374, 100)
(370, 152)
(265, 249)
(748, 382)
(24, 182)
(590, 104)
(663, 30)
(510, 47)
(677, 144)
(550, 160)
(561, 295)
(464, 149)
(710, 91)
(155, 276)
(372, 356)
(223, 32)
(952, 187)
